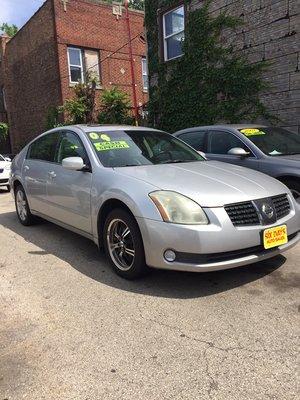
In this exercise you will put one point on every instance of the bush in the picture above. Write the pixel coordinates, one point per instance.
(115, 108)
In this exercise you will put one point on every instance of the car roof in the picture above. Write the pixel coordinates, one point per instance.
(223, 126)
(104, 128)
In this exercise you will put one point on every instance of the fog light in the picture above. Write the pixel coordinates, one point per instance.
(170, 255)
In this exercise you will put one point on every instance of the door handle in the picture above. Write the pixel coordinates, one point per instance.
(52, 174)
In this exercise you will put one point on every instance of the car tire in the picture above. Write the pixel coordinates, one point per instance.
(294, 187)
(22, 207)
(123, 245)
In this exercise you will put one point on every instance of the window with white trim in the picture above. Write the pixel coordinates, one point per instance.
(75, 65)
(145, 74)
(82, 62)
(173, 33)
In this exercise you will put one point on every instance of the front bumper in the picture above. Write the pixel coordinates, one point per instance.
(212, 247)
(4, 178)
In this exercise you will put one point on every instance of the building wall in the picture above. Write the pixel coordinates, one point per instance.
(32, 82)
(270, 32)
(91, 24)
(36, 64)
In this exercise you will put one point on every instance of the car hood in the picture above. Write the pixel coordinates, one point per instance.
(4, 164)
(209, 183)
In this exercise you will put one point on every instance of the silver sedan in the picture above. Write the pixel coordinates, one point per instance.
(150, 200)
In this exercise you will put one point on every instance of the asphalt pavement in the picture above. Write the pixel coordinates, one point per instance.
(70, 329)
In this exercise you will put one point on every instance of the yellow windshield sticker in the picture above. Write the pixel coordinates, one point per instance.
(105, 137)
(94, 135)
(104, 146)
(252, 132)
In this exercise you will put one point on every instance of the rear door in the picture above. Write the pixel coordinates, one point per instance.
(39, 160)
(69, 192)
(220, 142)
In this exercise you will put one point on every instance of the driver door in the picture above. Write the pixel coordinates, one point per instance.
(69, 192)
(220, 142)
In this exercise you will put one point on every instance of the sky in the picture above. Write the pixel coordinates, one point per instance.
(18, 11)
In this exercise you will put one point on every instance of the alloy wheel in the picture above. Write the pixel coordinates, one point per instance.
(120, 244)
(21, 205)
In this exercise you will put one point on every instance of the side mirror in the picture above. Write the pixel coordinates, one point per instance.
(239, 152)
(73, 163)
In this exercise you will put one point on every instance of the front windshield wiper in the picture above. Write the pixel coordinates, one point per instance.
(175, 161)
(288, 154)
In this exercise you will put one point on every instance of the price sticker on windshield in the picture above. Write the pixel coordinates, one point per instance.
(252, 132)
(116, 145)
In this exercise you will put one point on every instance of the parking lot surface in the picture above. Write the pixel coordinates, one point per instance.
(70, 329)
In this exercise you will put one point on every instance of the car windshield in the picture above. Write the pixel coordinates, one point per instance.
(274, 141)
(1, 158)
(124, 148)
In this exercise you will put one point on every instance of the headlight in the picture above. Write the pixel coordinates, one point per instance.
(176, 208)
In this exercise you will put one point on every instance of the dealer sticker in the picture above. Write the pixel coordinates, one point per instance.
(105, 146)
(252, 132)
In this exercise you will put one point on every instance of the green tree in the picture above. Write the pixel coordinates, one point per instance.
(3, 131)
(210, 83)
(134, 4)
(114, 108)
(137, 4)
(10, 30)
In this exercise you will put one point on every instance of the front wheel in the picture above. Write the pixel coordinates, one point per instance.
(124, 245)
(22, 207)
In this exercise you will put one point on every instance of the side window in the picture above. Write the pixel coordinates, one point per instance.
(195, 139)
(71, 146)
(44, 148)
(221, 142)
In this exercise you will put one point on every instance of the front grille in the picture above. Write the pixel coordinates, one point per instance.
(282, 205)
(252, 213)
(3, 180)
(242, 214)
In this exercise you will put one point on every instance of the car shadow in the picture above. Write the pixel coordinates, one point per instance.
(83, 255)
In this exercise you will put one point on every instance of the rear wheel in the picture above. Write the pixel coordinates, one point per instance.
(22, 207)
(124, 245)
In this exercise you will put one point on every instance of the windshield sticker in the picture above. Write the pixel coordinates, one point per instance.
(104, 146)
(274, 153)
(252, 132)
(94, 135)
(105, 137)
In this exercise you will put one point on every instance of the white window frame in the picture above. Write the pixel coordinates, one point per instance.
(166, 37)
(74, 65)
(145, 73)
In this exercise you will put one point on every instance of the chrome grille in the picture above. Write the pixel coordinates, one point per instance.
(282, 205)
(242, 214)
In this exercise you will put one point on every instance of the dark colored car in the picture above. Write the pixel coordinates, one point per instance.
(271, 150)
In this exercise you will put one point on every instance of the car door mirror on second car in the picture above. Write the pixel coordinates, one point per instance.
(239, 152)
(73, 163)
(202, 154)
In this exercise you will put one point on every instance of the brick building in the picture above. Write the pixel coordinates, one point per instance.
(271, 31)
(55, 48)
